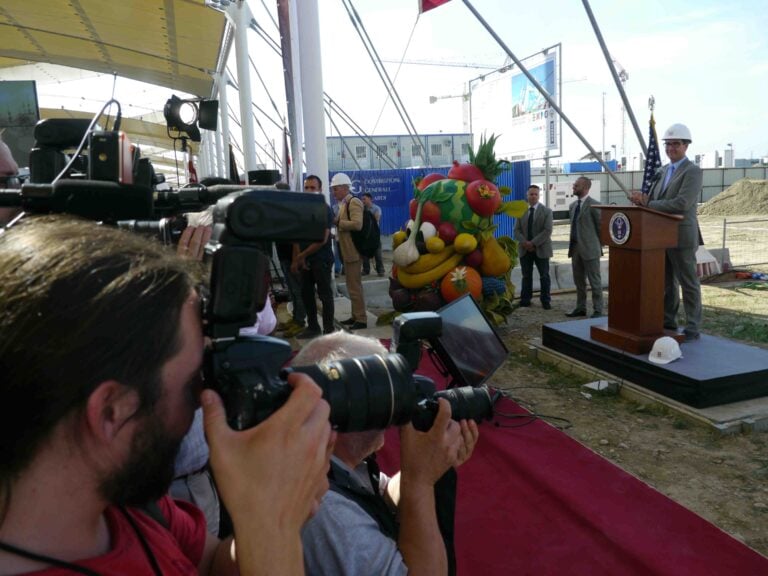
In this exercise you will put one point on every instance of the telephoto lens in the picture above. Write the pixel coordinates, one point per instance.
(374, 392)
(367, 393)
(364, 393)
(467, 403)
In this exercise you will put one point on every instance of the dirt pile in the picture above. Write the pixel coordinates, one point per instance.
(742, 197)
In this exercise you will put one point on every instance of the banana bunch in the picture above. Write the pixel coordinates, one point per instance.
(428, 268)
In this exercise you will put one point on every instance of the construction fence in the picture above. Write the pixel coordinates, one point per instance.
(715, 180)
(392, 190)
(736, 243)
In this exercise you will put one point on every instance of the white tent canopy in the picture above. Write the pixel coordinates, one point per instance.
(173, 43)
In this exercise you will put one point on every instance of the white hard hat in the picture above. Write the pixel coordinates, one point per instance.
(340, 179)
(665, 350)
(677, 132)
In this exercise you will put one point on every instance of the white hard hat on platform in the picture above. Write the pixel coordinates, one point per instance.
(677, 132)
(665, 350)
(340, 179)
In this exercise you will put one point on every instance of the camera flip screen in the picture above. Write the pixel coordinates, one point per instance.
(469, 345)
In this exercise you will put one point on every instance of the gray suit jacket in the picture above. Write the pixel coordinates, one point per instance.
(680, 197)
(542, 232)
(588, 228)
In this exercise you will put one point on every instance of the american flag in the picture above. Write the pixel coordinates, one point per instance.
(653, 162)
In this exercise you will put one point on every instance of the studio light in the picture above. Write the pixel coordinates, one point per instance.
(186, 117)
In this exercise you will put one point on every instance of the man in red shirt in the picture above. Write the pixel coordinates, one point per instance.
(101, 346)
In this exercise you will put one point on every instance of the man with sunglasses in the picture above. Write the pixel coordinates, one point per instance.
(676, 191)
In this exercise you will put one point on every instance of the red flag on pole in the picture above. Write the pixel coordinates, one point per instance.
(234, 175)
(192, 171)
(425, 5)
(287, 165)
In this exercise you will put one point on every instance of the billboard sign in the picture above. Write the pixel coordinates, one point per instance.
(506, 103)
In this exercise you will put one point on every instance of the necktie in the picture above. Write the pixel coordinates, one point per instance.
(574, 228)
(670, 173)
(531, 212)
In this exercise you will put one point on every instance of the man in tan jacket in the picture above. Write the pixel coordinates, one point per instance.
(350, 218)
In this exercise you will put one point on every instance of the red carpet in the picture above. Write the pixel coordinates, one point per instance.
(533, 501)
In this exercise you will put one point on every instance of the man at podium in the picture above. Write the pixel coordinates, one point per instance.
(676, 191)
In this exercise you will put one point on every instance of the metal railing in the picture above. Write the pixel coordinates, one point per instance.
(745, 242)
(738, 243)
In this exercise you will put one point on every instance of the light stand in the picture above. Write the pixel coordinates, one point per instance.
(185, 157)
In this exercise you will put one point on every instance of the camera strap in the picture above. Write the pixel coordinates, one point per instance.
(11, 549)
(76, 567)
(342, 482)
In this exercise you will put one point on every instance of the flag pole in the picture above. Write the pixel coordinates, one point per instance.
(653, 159)
(615, 76)
(547, 97)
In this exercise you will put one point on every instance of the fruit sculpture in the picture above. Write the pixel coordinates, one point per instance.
(447, 248)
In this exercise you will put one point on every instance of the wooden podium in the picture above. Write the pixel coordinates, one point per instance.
(637, 238)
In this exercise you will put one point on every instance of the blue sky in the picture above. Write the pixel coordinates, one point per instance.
(704, 62)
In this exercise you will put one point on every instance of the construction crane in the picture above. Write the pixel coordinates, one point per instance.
(623, 76)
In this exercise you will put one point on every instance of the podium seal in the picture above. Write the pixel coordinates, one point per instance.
(619, 228)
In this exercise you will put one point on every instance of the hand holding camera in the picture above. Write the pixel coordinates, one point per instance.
(297, 441)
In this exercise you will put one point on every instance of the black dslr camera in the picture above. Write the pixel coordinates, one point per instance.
(366, 393)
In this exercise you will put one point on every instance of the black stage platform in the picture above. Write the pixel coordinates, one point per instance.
(712, 371)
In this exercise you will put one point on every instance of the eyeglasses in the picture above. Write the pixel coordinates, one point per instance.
(673, 144)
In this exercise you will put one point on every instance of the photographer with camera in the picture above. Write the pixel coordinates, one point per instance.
(101, 344)
(192, 476)
(368, 523)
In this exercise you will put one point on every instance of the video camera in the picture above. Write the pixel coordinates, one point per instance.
(78, 149)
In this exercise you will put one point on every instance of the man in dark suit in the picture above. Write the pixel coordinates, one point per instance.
(585, 249)
(533, 233)
(677, 191)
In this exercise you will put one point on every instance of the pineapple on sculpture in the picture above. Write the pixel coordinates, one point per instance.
(448, 248)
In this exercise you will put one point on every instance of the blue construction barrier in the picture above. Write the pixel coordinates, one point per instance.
(392, 190)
